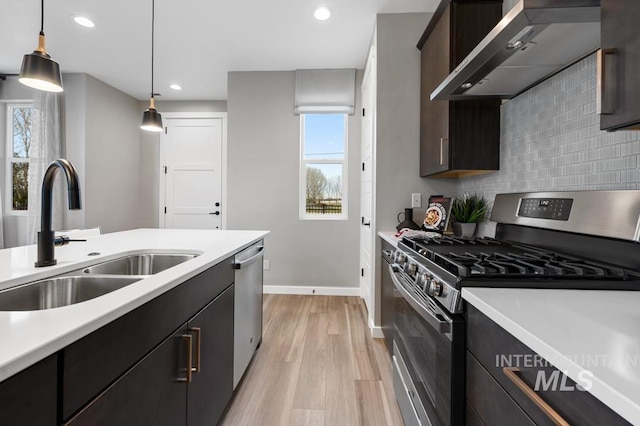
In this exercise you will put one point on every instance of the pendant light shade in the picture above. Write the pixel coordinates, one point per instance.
(151, 119)
(38, 69)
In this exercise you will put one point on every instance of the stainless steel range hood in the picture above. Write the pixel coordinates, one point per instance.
(534, 40)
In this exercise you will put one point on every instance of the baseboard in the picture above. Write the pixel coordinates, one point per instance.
(376, 332)
(320, 291)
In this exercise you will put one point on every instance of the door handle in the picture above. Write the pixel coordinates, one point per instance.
(197, 332)
(217, 213)
(188, 340)
(365, 223)
(511, 373)
(443, 142)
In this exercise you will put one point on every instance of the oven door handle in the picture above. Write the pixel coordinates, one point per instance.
(442, 326)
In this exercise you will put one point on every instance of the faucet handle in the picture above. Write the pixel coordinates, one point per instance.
(63, 240)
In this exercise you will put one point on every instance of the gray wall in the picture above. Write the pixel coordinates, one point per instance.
(112, 157)
(150, 155)
(551, 139)
(263, 182)
(398, 120)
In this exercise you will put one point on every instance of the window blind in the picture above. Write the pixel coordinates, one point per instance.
(325, 91)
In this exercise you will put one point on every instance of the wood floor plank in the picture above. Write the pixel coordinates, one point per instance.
(301, 417)
(364, 363)
(385, 367)
(337, 315)
(341, 403)
(373, 407)
(320, 304)
(310, 391)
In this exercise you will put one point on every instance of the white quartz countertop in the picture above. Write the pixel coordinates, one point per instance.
(389, 237)
(593, 335)
(28, 336)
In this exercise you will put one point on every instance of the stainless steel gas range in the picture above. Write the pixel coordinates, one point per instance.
(557, 240)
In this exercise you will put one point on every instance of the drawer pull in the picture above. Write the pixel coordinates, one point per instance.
(188, 339)
(198, 334)
(511, 373)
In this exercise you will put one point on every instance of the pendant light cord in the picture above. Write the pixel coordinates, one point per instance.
(153, 26)
(42, 17)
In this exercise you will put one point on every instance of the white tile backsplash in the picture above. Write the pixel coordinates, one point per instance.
(551, 140)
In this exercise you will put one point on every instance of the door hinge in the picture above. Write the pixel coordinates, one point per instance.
(362, 272)
(165, 169)
(363, 112)
(363, 167)
(165, 210)
(165, 130)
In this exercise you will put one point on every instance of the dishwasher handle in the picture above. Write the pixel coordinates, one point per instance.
(238, 264)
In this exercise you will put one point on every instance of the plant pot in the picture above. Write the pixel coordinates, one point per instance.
(464, 230)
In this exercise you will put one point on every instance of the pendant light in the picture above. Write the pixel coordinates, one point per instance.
(151, 119)
(38, 69)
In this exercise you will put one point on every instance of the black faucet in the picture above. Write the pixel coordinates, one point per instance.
(46, 236)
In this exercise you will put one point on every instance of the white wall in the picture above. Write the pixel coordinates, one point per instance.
(150, 154)
(263, 183)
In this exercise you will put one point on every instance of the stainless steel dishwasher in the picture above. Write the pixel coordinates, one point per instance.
(247, 315)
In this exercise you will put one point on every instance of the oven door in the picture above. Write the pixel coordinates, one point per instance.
(429, 345)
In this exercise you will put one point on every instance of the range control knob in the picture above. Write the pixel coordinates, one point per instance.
(424, 282)
(400, 258)
(412, 268)
(435, 288)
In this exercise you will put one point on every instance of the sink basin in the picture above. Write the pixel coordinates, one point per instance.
(57, 292)
(139, 264)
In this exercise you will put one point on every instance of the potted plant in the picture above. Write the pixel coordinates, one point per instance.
(467, 211)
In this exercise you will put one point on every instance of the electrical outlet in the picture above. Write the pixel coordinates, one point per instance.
(416, 200)
(265, 265)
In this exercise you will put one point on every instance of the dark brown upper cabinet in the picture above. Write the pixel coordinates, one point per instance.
(457, 138)
(619, 65)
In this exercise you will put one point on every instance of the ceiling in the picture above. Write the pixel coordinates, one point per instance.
(197, 41)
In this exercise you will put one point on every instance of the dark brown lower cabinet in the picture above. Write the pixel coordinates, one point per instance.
(159, 390)
(29, 397)
(212, 386)
(498, 397)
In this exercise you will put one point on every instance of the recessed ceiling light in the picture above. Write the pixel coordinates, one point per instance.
(322, 13)
(176, 87)
(85, 22)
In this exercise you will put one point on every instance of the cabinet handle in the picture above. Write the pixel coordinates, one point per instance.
(442, 158)
(604, 104)
(188, 339)
(511, 373)
(198, 334)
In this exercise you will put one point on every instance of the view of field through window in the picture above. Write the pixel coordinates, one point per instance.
(324, 157)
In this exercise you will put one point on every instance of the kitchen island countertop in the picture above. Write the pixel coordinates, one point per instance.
(30, 336)
(584, 333)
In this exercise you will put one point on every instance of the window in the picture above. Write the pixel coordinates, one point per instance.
(323, 166)
(17, 168)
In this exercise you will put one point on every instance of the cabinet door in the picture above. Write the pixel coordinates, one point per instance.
(386, 293)
(212, 384)
(153, 392)
(434, 115)
(620, 41)
(29, 397)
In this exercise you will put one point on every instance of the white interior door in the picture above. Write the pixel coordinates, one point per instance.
(367, 227)
(192, 162)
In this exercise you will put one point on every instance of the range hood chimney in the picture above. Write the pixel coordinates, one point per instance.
(533, 41)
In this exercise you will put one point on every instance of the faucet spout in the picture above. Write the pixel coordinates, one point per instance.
(46, 235)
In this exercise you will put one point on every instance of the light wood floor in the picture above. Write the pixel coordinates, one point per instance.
(317, 365)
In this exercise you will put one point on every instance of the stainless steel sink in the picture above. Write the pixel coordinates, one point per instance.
(61, 291)
(139, 264)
